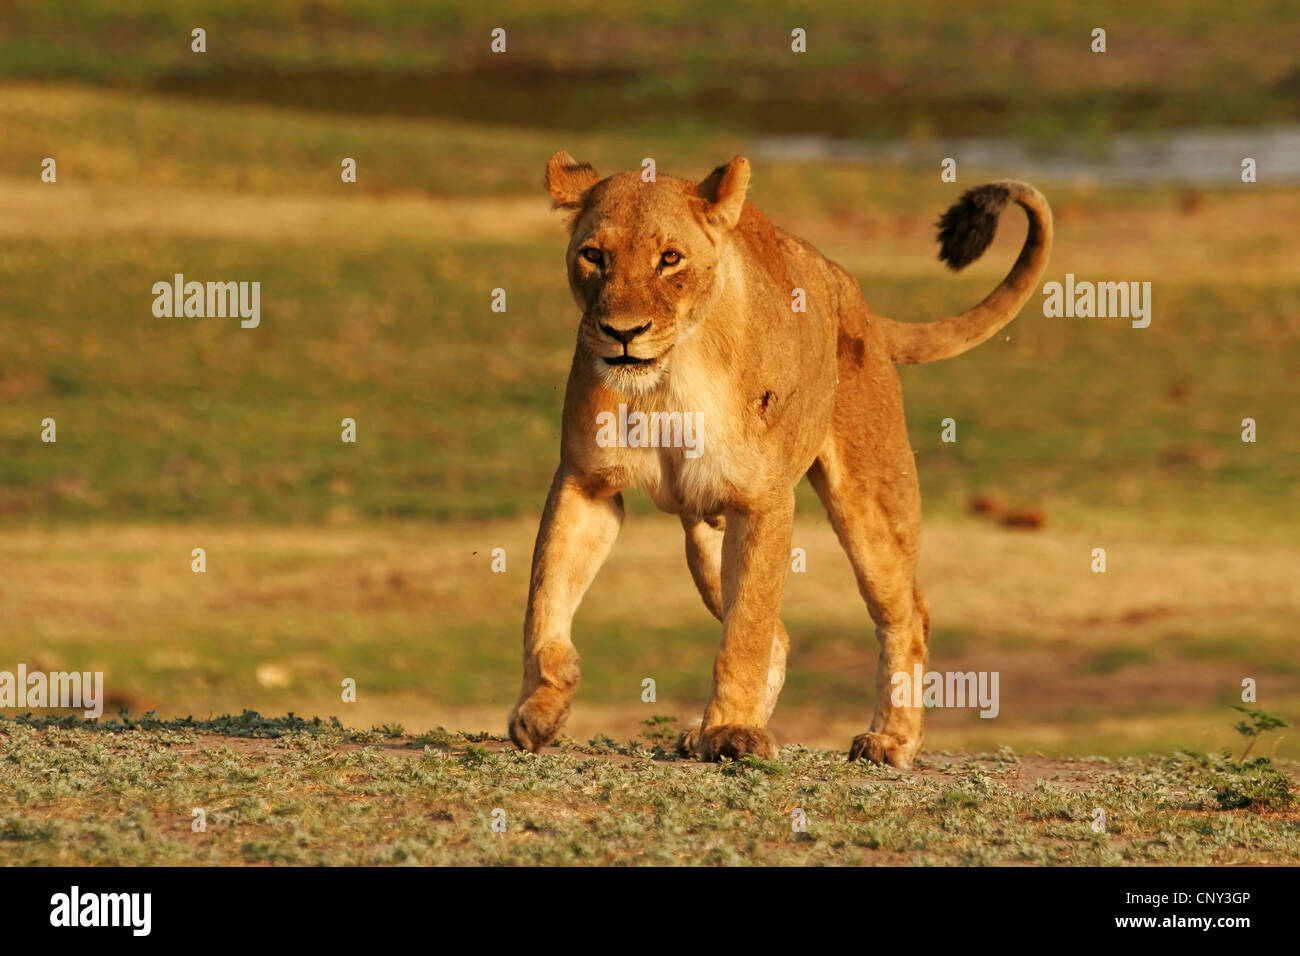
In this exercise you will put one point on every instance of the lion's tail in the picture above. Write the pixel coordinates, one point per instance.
(965, 231)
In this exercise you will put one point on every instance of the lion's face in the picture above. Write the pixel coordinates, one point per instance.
(643, 271)
(642, 264)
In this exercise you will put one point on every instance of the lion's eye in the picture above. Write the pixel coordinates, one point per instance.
(593, 255)
(670, 258)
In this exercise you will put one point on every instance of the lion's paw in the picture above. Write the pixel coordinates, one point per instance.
(734, 741)
(688, 740)
(885, 749)
(535, 722)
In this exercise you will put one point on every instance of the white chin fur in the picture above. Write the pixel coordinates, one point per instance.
(630, 379)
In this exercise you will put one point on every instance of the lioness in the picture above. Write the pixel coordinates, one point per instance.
(687, 295)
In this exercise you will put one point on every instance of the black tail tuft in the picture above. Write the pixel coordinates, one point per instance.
(966, 229)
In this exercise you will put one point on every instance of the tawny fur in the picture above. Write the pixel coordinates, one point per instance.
(781, 395)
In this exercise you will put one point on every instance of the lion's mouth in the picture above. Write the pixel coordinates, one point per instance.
(628, 360)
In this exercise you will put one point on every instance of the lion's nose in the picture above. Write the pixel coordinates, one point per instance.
(623, 336)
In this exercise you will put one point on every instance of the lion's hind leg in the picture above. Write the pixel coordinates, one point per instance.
(871, 495)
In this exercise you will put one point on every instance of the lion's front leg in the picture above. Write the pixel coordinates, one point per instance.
(577, 533)
(755, 559)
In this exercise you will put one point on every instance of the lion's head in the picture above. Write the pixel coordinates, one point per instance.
(643, 260)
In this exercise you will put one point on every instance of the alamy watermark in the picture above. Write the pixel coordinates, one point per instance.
(40, 689)
(178, 298)
(75, 908)
(651, 430)
(953, 689)
(1087, 300)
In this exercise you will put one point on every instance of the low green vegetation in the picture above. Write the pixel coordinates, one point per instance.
(313, 792)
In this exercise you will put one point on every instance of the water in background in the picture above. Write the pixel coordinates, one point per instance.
(1202, 156)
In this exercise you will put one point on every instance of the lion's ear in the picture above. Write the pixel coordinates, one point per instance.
(567, 179)
(724, 189)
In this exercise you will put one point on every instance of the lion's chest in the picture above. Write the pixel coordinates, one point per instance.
(680, 449)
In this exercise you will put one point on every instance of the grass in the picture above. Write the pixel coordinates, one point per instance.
(1021, 68)
(307, 793)
(375, 303)
(1148, 655)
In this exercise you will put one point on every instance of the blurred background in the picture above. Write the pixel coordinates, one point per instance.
(373, 560)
